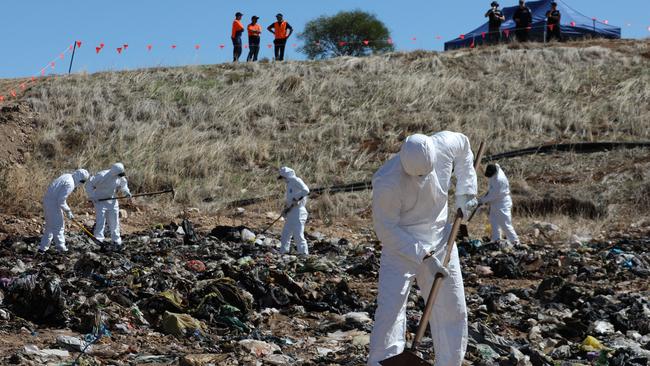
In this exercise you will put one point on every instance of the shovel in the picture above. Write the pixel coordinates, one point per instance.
(409, 357)
(464, 233)
(141, 195)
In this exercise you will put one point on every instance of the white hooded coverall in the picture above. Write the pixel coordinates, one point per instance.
(105, 184)
(296, 196)
(54, 204)
(410, 218)
(498, 197)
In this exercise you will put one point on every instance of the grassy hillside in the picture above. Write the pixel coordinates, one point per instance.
(221, 131)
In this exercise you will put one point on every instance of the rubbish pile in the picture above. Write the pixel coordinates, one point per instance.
(173, 296)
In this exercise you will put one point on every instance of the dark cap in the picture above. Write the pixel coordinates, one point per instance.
(278, 15)
(553, 3)
(238, 14)
(494, 3)
(255, 17)
(522, 2)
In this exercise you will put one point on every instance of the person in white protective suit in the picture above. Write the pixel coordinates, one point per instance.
(498, 197)
(102, 185)
(55, 204)
(294, 212)
(410, 211)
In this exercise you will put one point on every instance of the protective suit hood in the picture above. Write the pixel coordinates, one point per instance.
(117, 169)
(417, 155)
(286, 172)
(80, 175)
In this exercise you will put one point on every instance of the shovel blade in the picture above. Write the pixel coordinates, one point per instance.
(406, 358)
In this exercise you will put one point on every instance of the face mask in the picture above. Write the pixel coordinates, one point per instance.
(82, 181)
(122, 175)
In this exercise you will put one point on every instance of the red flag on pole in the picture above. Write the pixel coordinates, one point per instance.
(119, 50)
(573, 24)
(149, 47)
(97, 49)
(462, 36)
(78, 44)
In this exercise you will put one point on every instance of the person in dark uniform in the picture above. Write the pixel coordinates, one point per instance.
(254, 33)
(495, 19)
(553, 19)
(237, 30)
(523, 18)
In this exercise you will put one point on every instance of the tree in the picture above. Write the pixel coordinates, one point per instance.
(351, 33)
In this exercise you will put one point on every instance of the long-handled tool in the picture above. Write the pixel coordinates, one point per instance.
(141, 195)
(284, 212)
(409, 357)
(464, 233)
(85, 230)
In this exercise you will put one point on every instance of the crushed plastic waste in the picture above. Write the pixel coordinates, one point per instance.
(226, 296)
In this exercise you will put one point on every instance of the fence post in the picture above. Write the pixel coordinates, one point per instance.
(72, 58)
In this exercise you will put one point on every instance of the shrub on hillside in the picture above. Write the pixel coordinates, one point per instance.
(348, 33)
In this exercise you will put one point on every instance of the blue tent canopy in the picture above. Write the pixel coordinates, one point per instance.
(574, 25)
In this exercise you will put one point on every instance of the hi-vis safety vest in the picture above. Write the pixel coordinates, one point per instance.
(280, 29)
(254, 30)
(237, 28)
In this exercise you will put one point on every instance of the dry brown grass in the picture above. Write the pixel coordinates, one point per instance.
(222, 130)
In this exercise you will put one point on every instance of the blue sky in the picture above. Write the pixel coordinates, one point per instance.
(36, 32)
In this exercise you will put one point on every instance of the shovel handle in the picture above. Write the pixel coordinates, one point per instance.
(437, 282)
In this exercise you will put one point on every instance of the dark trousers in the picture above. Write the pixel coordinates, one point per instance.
(522, 33)
(555, 33)
(493, 36)
(280, 44)
(254, 48)
(236, 51)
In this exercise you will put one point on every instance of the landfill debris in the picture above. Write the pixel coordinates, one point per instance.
(227, 297)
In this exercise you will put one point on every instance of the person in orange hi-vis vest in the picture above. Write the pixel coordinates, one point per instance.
(237, 30)
(254, 33)
(282, 31)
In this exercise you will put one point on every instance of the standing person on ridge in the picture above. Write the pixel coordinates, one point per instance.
(553, 21)
(237, 30)
(498, 197)
(494, 24)
(104, 185)
(410, 209)
(55, 204)
(295, 212)
(523, 18)
(254, 34)
(282, 31)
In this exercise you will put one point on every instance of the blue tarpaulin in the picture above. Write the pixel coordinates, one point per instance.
(574, 25)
